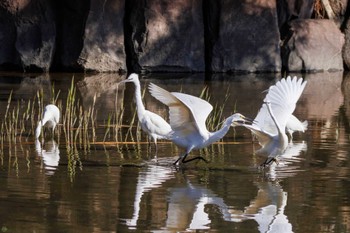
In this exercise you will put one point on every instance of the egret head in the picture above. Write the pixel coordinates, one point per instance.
(238, 119)
(132, 78)
(267, 103)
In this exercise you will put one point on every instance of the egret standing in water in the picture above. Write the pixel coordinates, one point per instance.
(187, 119)
(269, 126)
(50, 118)
(152, 124)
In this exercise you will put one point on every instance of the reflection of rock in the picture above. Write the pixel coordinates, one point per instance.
(50, 155)
(29, 87)
(346, 93)
(322, 96)
(105, 87)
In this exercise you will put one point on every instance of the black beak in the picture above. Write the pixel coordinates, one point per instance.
(248, 120)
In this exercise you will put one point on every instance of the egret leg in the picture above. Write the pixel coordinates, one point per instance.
(156, 155)
(291, 138)
(195, 158)
(268, 161)
(178, 159)
(183, 159)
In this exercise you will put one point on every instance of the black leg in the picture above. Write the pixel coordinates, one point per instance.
(268, 161)
(195, 158)
(183, 159)
(179, 159)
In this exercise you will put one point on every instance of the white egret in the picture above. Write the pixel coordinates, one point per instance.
(187, 119)
(50, 118)
(152, 124)
(294, 124)
(269, 126)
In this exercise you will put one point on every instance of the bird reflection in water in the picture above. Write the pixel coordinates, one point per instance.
(50, 154)
(147, 180)
(189, 204)
(267, 209)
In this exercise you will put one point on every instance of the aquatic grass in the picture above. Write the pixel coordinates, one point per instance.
(73, 161)
(119, 114)
(215, 119)
(108, 126)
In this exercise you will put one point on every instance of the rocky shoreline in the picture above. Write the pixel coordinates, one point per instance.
(174, 36)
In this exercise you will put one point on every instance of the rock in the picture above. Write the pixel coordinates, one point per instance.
(165, 35)
(288, 10)
(103, 46)
(316, 45)
(30, 34)
(243, 42)
(8, 54)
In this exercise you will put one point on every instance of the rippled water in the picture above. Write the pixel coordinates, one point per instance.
(52, 186)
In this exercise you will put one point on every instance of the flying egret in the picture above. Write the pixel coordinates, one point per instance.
(269, 126)
(187, 119)
(152, 124)
(50, 118)
(294, 124)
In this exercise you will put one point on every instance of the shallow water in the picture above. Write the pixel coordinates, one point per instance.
(52, 186)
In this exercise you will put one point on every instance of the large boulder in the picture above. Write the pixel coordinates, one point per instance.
(316, 45)
(103, 46)
(288, 10)
(165, 35)
(28, 32)
(248, 37)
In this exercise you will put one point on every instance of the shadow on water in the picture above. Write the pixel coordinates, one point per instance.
(99, 174)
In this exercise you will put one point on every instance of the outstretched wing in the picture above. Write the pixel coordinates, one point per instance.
(283, 97)
(187, 113)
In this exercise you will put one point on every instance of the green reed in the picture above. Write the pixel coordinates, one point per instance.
(216, 118)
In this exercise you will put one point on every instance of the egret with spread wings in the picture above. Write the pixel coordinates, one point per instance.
(269, 126)
(187, 115)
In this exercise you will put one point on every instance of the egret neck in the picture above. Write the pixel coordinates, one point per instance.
(140, 107)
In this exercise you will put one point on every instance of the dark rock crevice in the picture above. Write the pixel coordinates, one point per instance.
(211, 15)
(70, 19)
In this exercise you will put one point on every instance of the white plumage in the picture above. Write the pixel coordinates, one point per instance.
(187, 119)
(294, 124)
(152, 124)
(50, 118)
(269, 126)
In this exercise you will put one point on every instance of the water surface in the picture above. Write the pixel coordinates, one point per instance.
(116, 185)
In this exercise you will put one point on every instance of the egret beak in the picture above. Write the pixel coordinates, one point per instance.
(123, 81)
(241, 121)
(247, 120)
